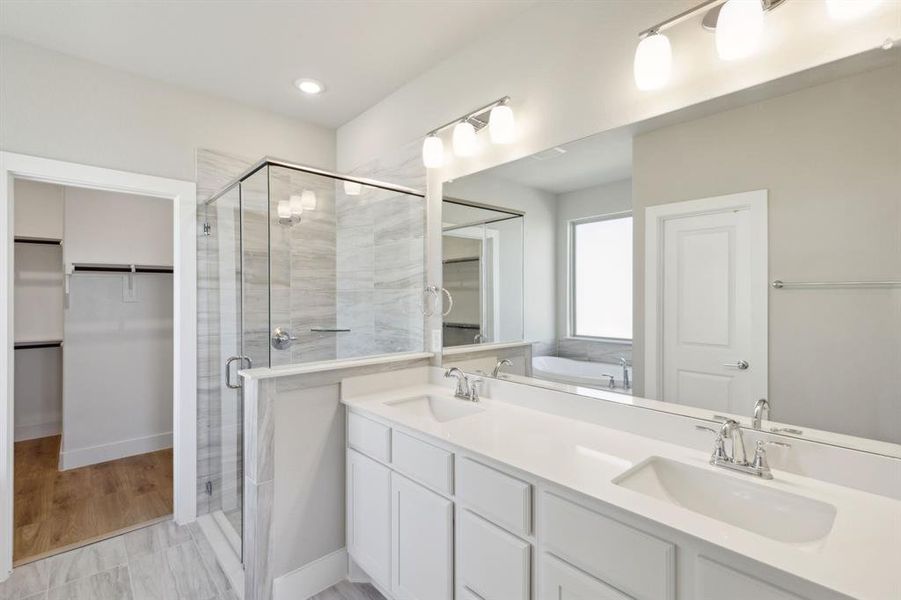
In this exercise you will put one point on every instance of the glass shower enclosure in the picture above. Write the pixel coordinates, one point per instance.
(296, 265)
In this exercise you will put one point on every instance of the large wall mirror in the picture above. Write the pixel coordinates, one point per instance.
(742, 250)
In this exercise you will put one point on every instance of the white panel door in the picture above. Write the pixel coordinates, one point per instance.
(369, 516)
(712, 306)
(422, 537)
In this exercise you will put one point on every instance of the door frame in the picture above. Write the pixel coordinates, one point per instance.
(655, 219)
(183, 195)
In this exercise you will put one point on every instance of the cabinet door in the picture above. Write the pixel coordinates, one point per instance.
(369, 516)
(491, 562)
(422, 537)
(562, 581)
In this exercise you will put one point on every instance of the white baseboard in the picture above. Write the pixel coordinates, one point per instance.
(39, 430)
(311, 578)
(81, 457)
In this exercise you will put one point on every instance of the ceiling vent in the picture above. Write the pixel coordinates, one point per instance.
(549, 154)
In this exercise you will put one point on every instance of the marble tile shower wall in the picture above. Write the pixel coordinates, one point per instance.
(381, 259)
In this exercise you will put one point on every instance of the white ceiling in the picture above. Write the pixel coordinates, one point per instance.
(253, 50)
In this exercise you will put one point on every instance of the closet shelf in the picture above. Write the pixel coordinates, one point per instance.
(38, 241)
(38, 344)
(106, 268)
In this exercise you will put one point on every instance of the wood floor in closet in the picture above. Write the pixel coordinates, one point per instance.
(57, 510)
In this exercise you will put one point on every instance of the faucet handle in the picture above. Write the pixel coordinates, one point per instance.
(719, 444)
(475, 387)
(760, 461)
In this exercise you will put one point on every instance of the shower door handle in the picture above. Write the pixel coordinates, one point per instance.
(228, 368)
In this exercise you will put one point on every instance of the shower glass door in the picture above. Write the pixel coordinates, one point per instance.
(239, 296)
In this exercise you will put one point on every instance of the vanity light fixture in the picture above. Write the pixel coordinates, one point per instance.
(432, 152)
(738, 25)
(283, 209)
(309, 86)
(308, 200)
(497, 116)
(465, 142)
(653, 61)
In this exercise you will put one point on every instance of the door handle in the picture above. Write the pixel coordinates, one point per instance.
(740, 364)
(228, 368)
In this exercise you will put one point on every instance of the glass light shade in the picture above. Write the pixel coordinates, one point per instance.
(739, 29)
(308, 200)
(653, 62)
(352, 188)
(501, 124)
(432, 152)
(295, 203)
(842, 10)
(465, 142)
(283, 209)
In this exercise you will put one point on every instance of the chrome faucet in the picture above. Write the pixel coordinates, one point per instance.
(506, 362)
(761, 412)
(625, 364)
(731, 429)
(466, 388)
(611, 383)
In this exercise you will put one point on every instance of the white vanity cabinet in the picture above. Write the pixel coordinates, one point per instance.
(429, 521)
(422, 541)
(369, 516)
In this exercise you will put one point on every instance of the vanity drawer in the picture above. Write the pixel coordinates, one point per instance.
(562, 580)
(630, 560)
(496, 495)
(494, 564)
(423, 462)
(369, 437)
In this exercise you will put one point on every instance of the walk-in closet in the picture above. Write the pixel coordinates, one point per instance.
(93, 311)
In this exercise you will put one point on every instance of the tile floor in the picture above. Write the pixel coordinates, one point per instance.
(349, 591)
(160, 562)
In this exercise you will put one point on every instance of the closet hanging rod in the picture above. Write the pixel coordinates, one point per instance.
(38, 241)
(779, 284)
(86, 268)
(34, 345)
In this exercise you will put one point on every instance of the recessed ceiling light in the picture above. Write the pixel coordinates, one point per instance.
(309, 86)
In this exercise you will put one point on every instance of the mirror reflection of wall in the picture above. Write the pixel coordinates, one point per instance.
(483, 272)
(657, 245)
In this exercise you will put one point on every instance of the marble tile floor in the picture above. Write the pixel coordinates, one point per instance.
(349, 591)
(160, 562)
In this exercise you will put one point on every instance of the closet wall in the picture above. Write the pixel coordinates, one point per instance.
(109, 390)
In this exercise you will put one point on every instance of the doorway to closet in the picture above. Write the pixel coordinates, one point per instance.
(93, 365)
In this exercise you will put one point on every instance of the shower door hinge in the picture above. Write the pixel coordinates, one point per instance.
(209, 488)
(207, 229)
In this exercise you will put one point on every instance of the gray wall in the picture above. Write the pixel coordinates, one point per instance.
(57, 106)
(830, 157)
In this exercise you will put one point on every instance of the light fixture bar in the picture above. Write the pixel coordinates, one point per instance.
(691, 12)
(470, 117)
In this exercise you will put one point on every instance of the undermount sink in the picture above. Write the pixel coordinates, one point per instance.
(751, 505)
(440, 410)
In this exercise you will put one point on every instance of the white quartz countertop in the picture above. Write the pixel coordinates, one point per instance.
(860, 557)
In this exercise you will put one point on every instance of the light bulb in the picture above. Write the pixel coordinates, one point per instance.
(352, 188)
(739, 28)
(432, 152)
(653, 62)
(465, 142)
(295, 203)
(501, 124)
(308, 200)
(842, 10)
(284, 210)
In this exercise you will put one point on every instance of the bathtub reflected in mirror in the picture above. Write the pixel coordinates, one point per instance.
(696, 263)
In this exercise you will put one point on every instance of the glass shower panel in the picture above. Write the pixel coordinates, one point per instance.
(348, 268)
(224, 298)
